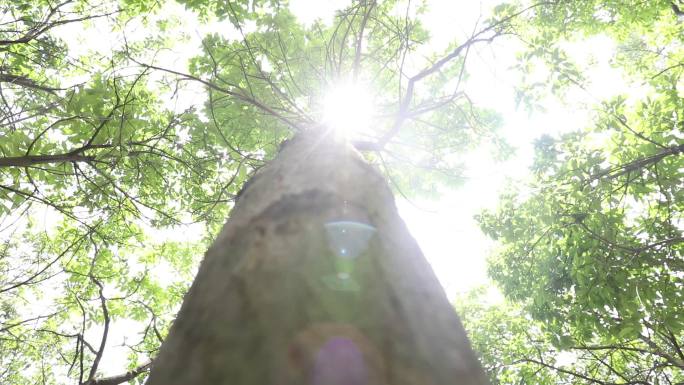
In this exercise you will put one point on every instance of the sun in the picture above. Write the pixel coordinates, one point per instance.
(348, 109)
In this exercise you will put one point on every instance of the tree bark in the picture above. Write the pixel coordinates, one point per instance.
(315, 280)
(32, 160)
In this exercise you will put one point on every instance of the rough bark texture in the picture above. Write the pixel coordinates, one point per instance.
(315, 280)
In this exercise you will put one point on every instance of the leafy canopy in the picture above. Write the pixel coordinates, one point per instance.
(124, 141)
(592, 246)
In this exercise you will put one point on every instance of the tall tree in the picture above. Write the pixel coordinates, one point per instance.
(315, 280)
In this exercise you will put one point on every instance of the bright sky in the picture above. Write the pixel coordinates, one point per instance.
(449, 236)
(445, 229)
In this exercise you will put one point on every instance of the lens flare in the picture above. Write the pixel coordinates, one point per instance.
(348, 239)
(348, 109)
(339, 362)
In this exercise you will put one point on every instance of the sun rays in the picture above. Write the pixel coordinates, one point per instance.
(348, 109)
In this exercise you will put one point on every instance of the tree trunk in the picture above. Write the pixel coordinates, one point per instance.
(315, 280)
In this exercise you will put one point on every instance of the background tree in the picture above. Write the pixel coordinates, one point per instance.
(592, 245)
(84, 137)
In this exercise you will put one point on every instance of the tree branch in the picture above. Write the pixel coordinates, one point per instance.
(121, 378)
(639, 163)
(474, 38)
(359, 41)
(31, 160)
(24, 81)
(238, 95)
(46, 25)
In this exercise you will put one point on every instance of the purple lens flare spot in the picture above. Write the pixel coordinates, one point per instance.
(339, 362)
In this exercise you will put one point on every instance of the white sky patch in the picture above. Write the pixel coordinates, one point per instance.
(566, 358)
(452, 20)
(308, 11)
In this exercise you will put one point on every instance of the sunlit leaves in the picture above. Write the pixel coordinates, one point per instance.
(593, 245)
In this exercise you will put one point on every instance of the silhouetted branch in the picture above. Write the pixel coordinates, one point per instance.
(121, 378)
(476, 37)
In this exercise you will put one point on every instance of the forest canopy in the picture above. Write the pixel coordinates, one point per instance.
(129, 128)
